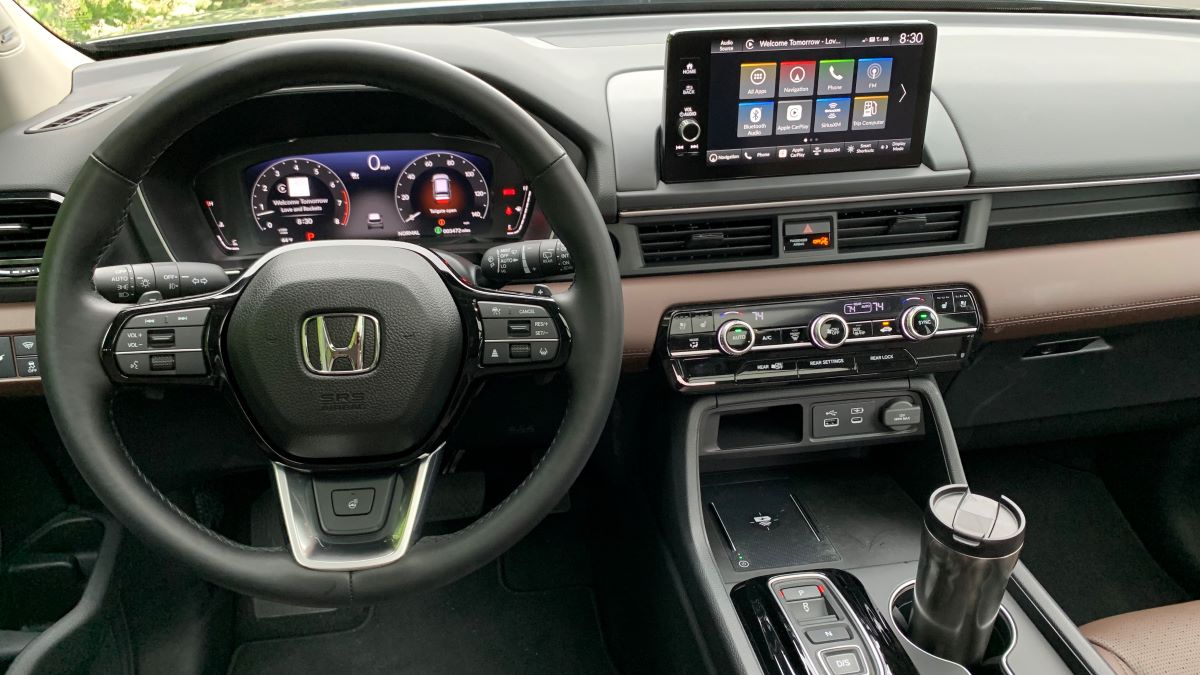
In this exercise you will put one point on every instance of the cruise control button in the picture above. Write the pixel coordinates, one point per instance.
(886, 361)
(543, 329)
(544, 351)
(25, 345)
(519, 351)
(820, 636)
(690, 343)
(508, 310)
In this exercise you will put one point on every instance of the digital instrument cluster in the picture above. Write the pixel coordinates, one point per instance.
(453, 192)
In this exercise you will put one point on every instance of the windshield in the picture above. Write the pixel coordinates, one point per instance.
(82, 21)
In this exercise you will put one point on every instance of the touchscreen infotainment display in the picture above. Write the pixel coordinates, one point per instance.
(781, 101)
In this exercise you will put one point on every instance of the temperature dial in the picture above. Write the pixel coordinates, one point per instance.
(735, 337)
(919, 322)
(828, 331)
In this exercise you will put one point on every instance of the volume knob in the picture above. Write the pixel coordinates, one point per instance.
(919, 322)
(735, 337)
(828, 331)
(689, 130)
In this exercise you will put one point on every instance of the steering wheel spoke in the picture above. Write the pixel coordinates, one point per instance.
(354, 521)
(174, 342)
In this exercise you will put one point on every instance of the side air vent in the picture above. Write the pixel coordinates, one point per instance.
(24, 226)
(897, 228)
(674, 243)
(73, 117)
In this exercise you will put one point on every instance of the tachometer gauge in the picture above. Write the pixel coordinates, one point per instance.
(441, 194)
(300, 199)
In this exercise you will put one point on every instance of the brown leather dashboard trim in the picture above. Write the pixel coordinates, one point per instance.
(17, 319)
(1023, 292)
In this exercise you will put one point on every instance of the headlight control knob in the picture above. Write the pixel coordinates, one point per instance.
(828, 331)
(919, 322)
(735, 337)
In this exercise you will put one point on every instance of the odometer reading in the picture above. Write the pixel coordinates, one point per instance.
(441, 194)
(300, 199)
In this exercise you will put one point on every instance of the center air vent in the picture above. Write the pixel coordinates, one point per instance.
(900, 228)
(24, 226)
(667, 243)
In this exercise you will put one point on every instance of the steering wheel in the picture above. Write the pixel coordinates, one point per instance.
(350, 360)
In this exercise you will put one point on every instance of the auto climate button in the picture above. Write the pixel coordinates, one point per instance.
(735, 337)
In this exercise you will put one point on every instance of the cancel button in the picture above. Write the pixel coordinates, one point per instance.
(885, 361)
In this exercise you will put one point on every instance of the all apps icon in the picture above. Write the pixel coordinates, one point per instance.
(757, 80)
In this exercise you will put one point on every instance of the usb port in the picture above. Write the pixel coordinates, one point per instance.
(831, 422)
(855, 420)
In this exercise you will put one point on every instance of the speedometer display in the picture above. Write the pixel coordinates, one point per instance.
(408, 195)
(441, 194)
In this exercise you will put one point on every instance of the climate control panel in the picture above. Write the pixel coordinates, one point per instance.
(887, 333)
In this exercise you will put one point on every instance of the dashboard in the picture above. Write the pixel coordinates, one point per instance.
(427, 188)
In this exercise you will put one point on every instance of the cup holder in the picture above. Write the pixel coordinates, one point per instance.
(1004, 635)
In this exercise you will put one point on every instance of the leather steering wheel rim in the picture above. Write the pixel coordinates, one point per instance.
(72, 318)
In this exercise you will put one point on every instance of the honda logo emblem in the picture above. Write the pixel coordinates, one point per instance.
(340, 344)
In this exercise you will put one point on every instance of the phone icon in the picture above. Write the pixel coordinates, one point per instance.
(834, 75)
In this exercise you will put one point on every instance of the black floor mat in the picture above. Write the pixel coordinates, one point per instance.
(475, 625)
(1078, 543)
(533, 611)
